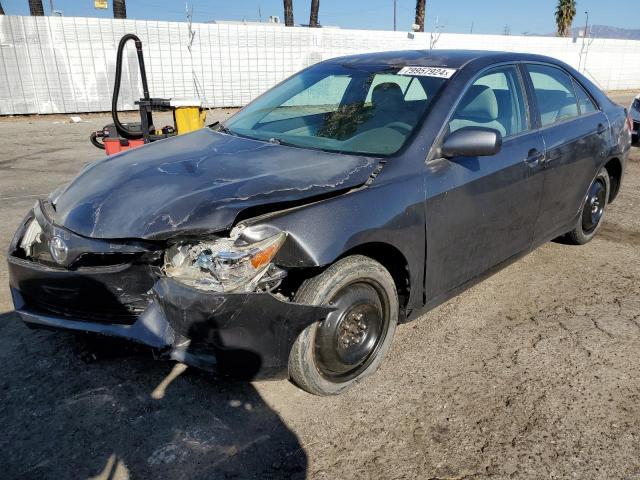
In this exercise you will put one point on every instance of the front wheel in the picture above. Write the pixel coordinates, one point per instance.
(329, 357)
(592, 211)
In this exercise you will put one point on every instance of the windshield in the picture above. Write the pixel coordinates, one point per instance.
(342, 108)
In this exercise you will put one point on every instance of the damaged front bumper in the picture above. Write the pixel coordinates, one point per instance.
(246, 335)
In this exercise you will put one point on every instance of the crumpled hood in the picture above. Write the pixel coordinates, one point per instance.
(197, 183)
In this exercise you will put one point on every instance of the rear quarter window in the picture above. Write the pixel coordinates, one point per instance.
(584, 100)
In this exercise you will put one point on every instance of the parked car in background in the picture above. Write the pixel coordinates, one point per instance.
(357, 194)
(634, 112)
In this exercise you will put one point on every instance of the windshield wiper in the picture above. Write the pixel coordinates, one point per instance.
(221, 127)
(279, 141)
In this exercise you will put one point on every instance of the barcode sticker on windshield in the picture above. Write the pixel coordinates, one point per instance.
(438, 72)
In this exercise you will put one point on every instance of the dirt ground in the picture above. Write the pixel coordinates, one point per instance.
(531, 374)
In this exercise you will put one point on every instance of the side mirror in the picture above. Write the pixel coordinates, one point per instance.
(472, 142)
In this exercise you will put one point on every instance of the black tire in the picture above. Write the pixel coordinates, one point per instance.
(593, 209)
(332, 356)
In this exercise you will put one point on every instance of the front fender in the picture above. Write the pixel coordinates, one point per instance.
(388, 213)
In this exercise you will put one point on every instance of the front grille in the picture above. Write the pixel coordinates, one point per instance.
(105, 259)
(115, 313)
(101, 286)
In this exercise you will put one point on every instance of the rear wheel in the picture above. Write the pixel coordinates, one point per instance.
(349, 345)
(592, 210)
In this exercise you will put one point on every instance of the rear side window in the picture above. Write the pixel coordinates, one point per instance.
(495, 101)
(584, 101)
(554, 94)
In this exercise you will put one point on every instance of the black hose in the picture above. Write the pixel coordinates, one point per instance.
(120, 128)
(94, 139)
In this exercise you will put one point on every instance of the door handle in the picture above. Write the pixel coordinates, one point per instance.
(601, 129)
(534, 157)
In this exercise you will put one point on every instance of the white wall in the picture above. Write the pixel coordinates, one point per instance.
(66, 64)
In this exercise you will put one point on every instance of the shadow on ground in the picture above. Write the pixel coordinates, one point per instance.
(69, 410)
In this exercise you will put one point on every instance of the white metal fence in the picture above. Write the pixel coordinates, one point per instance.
(67, 64)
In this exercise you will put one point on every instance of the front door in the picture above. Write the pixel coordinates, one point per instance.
(481, 211)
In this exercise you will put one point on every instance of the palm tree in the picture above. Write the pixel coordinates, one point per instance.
(565, 12)
(313, 18)
(119, 9)
(35, 6)
(288, 13)
(420, 5)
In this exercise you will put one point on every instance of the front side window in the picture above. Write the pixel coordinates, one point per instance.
(554, 94)
(367, 109)
(495, 101)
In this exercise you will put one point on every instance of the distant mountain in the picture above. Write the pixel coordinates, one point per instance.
(605, 31)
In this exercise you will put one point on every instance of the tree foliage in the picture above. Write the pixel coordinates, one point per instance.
(565, 12)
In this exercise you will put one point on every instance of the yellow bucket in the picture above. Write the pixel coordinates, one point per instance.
(188, 115)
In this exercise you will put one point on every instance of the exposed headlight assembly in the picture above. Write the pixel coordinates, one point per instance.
(224, 265)
(32, 235)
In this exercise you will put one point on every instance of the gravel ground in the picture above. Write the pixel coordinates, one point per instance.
(531, 374)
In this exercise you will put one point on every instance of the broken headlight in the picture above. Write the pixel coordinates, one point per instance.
(221, 265)
(32, 235)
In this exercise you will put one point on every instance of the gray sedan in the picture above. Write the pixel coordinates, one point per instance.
(356, 195)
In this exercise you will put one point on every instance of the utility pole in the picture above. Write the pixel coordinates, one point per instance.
(471, 29)
(394, 14)
(584, 50)
(586, 25)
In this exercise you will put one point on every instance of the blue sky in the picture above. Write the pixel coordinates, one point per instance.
(535, 16)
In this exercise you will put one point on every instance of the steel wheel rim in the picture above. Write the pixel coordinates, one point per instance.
(348, 340)
(594, 206)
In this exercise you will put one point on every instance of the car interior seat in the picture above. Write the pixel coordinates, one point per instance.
(389, 106)
(478, 108)
(506, 116)
(555, 105)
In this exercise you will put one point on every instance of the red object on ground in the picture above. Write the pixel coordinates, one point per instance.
(117, 145)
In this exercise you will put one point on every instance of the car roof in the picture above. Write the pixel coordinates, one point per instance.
(437, 58)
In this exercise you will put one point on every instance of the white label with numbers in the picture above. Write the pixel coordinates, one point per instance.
(438, 72)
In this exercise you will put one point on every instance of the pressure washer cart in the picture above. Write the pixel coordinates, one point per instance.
(188, 115)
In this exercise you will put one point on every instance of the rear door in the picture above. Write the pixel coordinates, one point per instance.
(574, 131)
(482, 210)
